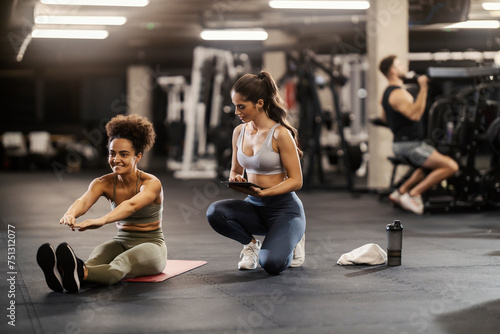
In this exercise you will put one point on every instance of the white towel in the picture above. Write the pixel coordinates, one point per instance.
(370, 254)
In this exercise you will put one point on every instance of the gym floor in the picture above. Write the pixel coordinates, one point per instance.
(448, 281)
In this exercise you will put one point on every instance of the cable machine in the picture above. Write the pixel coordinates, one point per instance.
(303, 67)
(177, 90)
(197, 108)
(465, 124)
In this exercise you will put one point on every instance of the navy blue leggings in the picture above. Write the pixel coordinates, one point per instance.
(280, 218)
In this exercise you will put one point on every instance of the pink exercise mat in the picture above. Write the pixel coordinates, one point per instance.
(173, 268)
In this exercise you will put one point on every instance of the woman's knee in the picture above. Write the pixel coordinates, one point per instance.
(214, 213)
(220, 211)
(273, 265)
(274, 268)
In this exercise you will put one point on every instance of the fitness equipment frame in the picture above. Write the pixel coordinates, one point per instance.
(303, 66)
(458, 126)
(202, 107)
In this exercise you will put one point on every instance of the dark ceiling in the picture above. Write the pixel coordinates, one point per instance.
(166, 31)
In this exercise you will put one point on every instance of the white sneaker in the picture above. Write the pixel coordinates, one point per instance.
(299, 253)
(412, 203)
(395, 197)
(249, 256)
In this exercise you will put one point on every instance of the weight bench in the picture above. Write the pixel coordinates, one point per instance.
(397, 161)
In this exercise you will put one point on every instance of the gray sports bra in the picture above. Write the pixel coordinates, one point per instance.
(149, 214)
(265, 161)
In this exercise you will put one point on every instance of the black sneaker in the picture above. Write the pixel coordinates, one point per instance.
(46, 259)
(71, 266)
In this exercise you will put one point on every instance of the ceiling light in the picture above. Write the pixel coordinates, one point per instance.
(491, 6)
(485, 24)
(124, 3)
(234, 35)
(82, 20)
(71, 34)
(319, 4)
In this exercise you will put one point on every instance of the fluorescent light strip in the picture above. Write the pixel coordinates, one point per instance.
(234, 35)
(70, 34)
(491, 5)
(484, 24)
(81, 20)
(319, 4)
(121, 3)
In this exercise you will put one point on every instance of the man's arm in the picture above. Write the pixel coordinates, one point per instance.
(402, 101)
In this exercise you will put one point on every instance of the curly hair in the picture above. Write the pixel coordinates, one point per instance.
(139, 130)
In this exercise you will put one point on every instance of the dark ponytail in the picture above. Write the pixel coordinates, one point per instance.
(253, 87)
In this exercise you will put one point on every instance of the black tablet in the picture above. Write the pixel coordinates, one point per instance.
(239, 184)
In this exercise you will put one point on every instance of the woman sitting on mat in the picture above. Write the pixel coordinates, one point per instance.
(136, 200)
(265, 145)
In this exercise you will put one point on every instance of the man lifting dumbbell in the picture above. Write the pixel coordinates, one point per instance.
(403, 115)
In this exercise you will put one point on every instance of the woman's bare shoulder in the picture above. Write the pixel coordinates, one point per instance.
(149, 178)
(104, 180)
(238, 128)
(282, 131)
(237, 131)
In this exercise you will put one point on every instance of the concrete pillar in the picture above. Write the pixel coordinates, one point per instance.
(274, 62)
(387, 33)
(140, 85)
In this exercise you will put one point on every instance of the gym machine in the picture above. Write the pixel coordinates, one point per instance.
(323, 134)
(195, 110)
(465, 124)
(177, 91)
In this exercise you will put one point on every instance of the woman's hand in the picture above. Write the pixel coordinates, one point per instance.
(89, 224)
(238, 178)
(244, 190)
(68, 219)
(255, 191)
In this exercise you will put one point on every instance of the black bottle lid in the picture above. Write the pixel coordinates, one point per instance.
(396, 225)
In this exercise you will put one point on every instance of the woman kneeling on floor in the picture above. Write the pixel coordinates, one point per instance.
(265, 145)
(136, 200)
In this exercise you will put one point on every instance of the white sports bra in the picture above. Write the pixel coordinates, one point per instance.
(265, 161)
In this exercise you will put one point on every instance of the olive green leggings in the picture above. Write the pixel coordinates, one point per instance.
(129, 254)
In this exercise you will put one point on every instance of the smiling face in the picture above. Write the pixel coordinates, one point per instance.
(246, 110)
(122, 158)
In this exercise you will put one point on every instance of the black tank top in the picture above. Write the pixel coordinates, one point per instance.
(403, 128)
